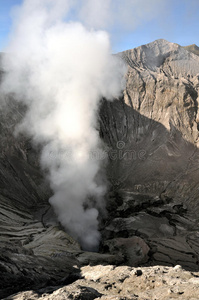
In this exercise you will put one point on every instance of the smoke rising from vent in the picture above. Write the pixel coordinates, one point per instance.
(61, 70)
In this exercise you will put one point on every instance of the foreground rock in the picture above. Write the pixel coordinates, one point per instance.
(110, 282)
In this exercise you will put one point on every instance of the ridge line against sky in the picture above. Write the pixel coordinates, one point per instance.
(130, 23)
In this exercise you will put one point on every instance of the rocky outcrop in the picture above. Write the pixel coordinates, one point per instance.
(150, 231)
(110, 282)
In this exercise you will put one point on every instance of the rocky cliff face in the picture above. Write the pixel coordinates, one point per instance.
(154, 129)
(158, 116)
(151, 139)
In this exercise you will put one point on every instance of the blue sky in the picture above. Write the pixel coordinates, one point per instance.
(5, 19)
(177, 22)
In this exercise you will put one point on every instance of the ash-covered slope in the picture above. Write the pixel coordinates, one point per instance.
(31, 238)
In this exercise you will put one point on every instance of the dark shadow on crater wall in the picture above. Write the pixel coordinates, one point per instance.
(158, 191)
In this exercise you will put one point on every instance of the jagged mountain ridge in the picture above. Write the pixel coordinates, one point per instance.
(193, 48)
(153, 205)
(170, 74)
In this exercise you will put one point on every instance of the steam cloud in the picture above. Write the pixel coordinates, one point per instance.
(61, 68)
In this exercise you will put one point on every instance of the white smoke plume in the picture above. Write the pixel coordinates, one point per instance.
(61, 70)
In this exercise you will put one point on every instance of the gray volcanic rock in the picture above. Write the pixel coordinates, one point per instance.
(157, 120)
(110, 282)
(163, 86)
(152, 138)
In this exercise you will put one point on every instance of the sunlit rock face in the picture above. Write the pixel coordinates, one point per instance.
(150, 140)
(155, 125)
(152, 135)
(162, 84)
